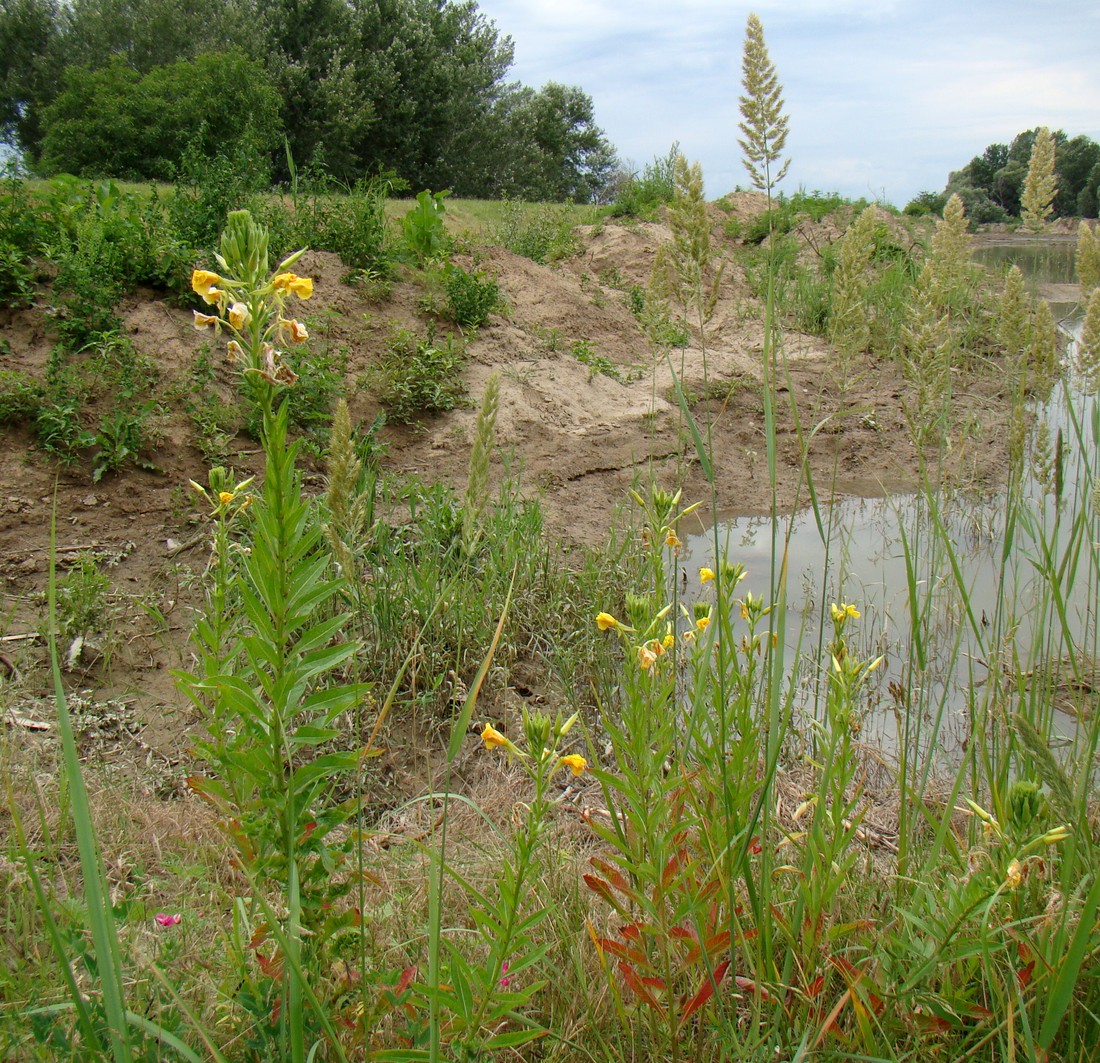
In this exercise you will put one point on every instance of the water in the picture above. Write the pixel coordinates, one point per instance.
(859, 556)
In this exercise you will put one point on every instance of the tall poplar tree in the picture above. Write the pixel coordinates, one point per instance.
(1037, 202)
(764, 124)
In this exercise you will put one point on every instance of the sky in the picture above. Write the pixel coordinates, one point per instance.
(884, 97)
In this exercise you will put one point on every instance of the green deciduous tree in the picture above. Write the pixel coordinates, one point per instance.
(763, 124)
(115, 122)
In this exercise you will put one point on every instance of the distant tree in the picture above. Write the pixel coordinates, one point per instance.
(548, 147)
(1074, 160)
(115, 122)
(1008, 186)
(1037, 200)
(926, 203)
(763, 124)
(28, 47)
(1088, 199)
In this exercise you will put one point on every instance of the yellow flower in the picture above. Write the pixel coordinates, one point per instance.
(203, 321)
(668, 641)
(575, 763)
(646, 658)
(706, 575)
(493, 738)
(234, 352)
(605, 621)
(239, 316)
(203, 282)
(291, 282)
(703, 623)
(1014, 877)
(291, 331)
(843, 611)
(672, 539)
(226, 497)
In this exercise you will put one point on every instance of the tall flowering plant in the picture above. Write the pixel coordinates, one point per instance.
(273, 697)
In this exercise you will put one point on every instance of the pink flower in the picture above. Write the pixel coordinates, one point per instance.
(164, 919)
(505, 981)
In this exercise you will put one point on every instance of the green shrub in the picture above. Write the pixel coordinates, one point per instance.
(20, 397)
(472, 297)
(641, 196)
(543, 234)
(421, 376)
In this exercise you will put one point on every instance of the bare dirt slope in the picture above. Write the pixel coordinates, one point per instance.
(579, 436)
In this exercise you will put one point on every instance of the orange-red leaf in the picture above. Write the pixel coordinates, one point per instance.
(1023, 976)
(598, 885)
(639, 989)
(704, 992)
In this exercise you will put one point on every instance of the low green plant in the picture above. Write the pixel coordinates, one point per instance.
(20, 397)
(471, 297)
(421, 375)
(543, 233)
(120, 439)
(642, 195)
(425, 235)
(585, 353)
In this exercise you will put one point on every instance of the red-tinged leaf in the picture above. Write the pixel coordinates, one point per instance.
(259, 936)
(1023, 976)
(705, 992)
(309, 828)
(632, 931)
(636, 986)
(748, 934)
(271, 965)
(931, 1023)
(617, 948)
(1023, 951)
(598, 885)
(815, 986)
(682, 933)
(854, 976)
(612, 874)
(747, 985)
(403, 983)
(692, 956)
(755, 848)
(709, 890)
(976, 1011)
(718, 943)
(671, 869)
(830, 1025)
(655, 983)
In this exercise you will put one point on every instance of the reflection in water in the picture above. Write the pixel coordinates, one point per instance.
(867, 551)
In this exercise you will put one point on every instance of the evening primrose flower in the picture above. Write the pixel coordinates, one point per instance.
(1014, 876)
(292, 283)
(575, 763)
(234, 352)
(672, 539)
(205, 321)
(646, 658)
(291, 331)
(706, 575)
(605, 621)
(843, 611)
(203, 283)
(226, 497)
(239, 316)
(702, 623)
(493, 739)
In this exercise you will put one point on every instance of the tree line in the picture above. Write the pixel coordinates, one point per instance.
(417, 88)
(991, 185)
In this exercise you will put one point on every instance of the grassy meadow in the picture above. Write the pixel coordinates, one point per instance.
(689, 853)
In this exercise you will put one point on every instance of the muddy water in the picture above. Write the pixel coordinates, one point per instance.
(866, 551)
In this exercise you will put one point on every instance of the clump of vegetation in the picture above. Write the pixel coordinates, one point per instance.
(421, 375)
(543, 233)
